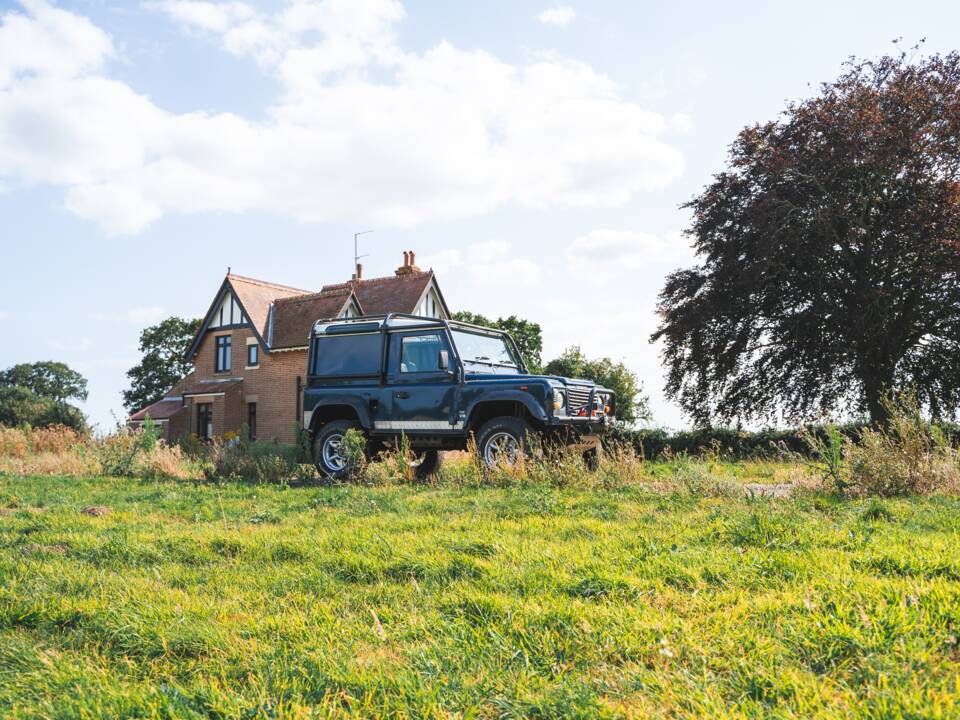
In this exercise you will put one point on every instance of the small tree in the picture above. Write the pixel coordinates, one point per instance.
(36, 394)
(528, 335)
(163, 365)
(632, 404)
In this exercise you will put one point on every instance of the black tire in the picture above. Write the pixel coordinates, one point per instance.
(498, 430)
(324, 442)
(427, 464)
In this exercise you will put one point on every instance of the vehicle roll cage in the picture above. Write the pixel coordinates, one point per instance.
(403, 322)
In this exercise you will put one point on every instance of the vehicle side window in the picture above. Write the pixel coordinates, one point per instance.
(421, 353)
(347, 355)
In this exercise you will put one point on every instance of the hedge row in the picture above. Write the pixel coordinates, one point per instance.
(738, 444)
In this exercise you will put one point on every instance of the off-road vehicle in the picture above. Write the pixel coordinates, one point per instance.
(439, 383)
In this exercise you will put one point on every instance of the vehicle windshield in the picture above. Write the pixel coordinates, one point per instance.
(488, 350)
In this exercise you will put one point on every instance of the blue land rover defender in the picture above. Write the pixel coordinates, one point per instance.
(439, 382)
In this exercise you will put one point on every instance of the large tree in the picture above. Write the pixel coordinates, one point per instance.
(527, 334)
(163, 365)
(631, 403)
(830, 246)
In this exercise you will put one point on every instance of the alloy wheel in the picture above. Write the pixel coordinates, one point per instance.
(501, 448)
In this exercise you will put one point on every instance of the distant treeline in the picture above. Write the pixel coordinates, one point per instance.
(740, 444)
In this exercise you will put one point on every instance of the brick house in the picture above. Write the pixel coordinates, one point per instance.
(250, 353)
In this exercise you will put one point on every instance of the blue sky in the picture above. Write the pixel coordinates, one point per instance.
(534, 153)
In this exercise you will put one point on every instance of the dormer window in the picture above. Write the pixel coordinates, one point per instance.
(223, 354)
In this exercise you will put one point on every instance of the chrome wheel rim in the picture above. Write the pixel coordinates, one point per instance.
(332, 450)
(501, 448)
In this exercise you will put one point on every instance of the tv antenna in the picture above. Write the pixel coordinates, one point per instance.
(356, 256)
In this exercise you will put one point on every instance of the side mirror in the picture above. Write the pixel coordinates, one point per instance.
(444, 360)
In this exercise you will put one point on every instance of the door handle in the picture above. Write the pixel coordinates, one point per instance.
(402, 395)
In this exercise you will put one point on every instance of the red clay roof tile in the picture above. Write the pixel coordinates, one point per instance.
(394, 293)
(294, 316)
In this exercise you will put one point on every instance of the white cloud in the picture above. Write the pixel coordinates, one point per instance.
(212, 16)
(559, 16)
(49, 41)
(605, 252)
(362, 130)
(145, 315)
(487, 263)
(4, 315)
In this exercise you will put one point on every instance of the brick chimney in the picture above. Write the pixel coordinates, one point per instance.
(409, 264)
(358, 275)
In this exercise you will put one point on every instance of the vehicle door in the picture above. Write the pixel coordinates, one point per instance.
(421, 391)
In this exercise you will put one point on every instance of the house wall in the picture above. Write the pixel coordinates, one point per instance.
(272, 385)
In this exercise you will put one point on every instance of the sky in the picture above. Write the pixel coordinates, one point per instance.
(535, 154)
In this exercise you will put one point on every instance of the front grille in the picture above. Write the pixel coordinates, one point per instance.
(577, 397)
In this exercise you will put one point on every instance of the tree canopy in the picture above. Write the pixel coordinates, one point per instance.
(632, 405)
(49, 379)
(36, 394)
(528, 335)
(830, 255)
(162, 365)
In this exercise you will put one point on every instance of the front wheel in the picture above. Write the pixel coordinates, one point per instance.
(504, 441)
(329, 451)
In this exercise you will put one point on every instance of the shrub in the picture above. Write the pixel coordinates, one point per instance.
(908, 456)
(166, 462)
(828, 451)
(117, 453)
(259, 462)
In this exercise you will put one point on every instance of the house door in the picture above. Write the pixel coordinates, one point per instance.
(204, 421)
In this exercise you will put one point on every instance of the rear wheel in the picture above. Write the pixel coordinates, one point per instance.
(329, 451)
(504, 441)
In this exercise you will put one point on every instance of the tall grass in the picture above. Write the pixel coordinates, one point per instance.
(907, 455)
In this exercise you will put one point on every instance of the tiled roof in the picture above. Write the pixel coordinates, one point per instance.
(293, 316)
(215, 385)
(256, 296)
(163, 409)
(394, 293)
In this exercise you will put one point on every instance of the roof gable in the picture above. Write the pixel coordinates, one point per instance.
(251, 297)
(394, 293)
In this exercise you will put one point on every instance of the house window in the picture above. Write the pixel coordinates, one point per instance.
(204, 421)
(253, 355)
(223, 354)
(252, 420)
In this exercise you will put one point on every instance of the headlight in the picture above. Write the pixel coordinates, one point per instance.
(559, 401)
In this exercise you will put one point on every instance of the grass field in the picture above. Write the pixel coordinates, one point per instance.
(239, 601)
